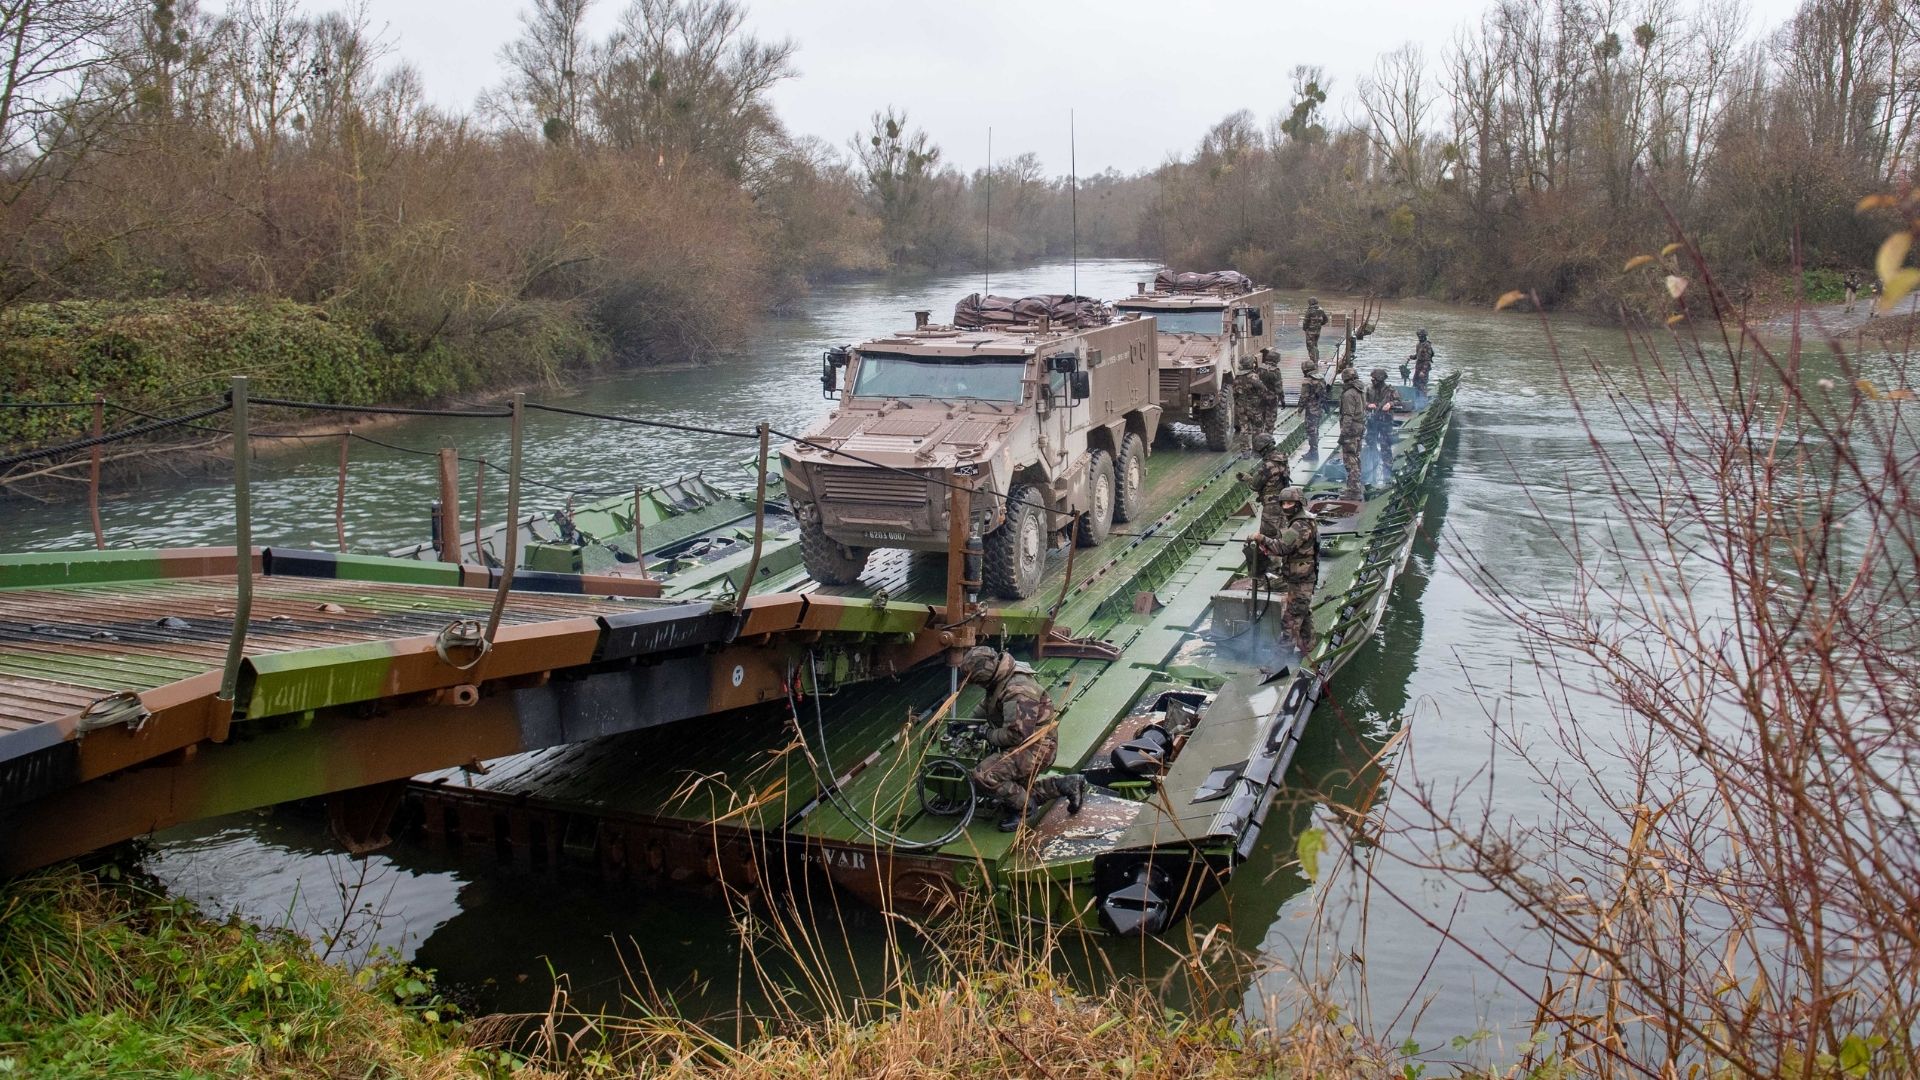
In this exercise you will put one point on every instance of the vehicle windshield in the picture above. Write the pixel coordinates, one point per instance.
(982, 378)
(1202, 321)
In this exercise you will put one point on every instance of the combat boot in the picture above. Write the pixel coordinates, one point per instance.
(1016, 816)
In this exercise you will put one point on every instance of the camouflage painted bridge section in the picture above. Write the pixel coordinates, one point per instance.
(357, 671)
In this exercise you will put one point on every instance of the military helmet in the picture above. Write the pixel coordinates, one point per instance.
(980, 661)
(1350, 373)
(1293, 495)
(1310, 367)
(1263, 442)
(1421, 333)
(1313, 301)
(1379, 374)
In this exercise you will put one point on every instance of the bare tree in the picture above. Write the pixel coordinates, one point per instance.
(1396, 102)
(547, 68)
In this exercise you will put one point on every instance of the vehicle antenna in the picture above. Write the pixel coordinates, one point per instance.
(986, 267)
(1073, 197)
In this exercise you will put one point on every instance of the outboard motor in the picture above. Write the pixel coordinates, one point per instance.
(1142, 907)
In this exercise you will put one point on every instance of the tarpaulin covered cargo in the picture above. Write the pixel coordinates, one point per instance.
(977, 312)
(1220, 280)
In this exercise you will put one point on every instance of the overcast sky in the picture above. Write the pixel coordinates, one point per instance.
(1144, 79)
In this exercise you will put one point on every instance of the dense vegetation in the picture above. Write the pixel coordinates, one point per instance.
(634, 196)
(101, 976)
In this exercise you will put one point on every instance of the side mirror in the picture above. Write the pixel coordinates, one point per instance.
(1080, 384)
(831, 362)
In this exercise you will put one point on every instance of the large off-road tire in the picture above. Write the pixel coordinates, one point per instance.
(830, 562)
(1016, 552)
(1217, 423)
(1130, 479)
(1097, 523)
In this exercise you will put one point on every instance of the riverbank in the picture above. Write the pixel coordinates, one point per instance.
(102, 974)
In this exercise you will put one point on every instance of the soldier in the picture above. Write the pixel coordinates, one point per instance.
(1293, 549)
(1271, 478)
(1312, 404)
(1353, 429)
(1020, 727)
(1852, 284)
(1258, 405)
(1422, 360)
(1269, 375)
(1380, 402)
(1310, 324)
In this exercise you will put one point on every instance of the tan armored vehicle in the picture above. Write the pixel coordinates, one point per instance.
(1212, 328)
(1049, 423)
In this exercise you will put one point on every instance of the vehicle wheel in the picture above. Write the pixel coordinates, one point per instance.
(1097, 523)
(830, 562)
(1130, 480)
(1217, 424)
(1016, 552)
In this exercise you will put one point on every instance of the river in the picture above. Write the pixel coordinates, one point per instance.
(1428, 672)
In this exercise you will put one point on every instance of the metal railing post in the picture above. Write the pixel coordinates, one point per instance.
(449, 505)
(513, 521)
(759, 521)
(242, 543)
(93, 481)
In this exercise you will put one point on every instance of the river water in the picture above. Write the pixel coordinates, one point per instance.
(1443, 672)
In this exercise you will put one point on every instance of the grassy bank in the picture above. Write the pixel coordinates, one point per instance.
(159, 356)
(100, 975)
(105, 977)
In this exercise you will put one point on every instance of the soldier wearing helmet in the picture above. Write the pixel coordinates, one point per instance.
(1422, 361)
(1310, 324)
(1353, 429)
(1255, 405)
(1381, 399)
(1312, 404)
(1020, 728)
(1270, 478)
(1294, 560)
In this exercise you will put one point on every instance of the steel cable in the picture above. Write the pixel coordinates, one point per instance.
(112, 436)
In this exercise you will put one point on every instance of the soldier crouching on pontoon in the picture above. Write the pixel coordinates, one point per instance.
(1020, 727)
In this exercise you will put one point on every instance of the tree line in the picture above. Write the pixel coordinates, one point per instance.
(633, 194)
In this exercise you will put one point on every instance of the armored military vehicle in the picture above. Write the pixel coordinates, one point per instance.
(1212, 328)
(1048, 420)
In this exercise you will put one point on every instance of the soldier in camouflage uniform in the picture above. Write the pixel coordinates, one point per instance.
(1020, 727)
(1353, 429)
(1380, 401)
(1291, 542)
(1422, 361)
(1310, 324)
(1312, 404)
(1270, 478)
(1257, 406)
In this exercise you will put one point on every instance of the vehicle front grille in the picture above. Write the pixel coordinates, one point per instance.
(842, 483)
(1173, 383)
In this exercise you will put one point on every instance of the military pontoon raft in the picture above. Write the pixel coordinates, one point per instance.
(1177, 695)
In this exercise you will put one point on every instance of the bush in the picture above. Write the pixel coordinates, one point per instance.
(160, 355)
(100, 976)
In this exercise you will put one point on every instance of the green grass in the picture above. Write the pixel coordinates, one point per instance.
(103, 976)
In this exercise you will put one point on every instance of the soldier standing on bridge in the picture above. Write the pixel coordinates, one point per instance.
(1291, 542)
(1353, 429)
(1852, 284)
(1253, 396)
(1310, 324)
(1312, 404)
(1020, 727)
(1271, 478)
(1380, 402)
(1422, 360)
